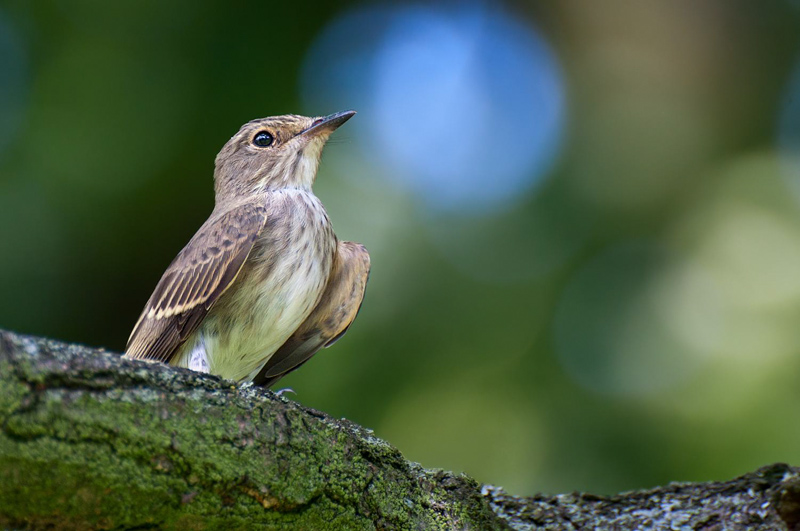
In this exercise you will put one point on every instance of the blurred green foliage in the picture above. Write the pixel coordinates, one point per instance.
(656, 336)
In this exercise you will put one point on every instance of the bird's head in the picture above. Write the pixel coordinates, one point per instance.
(273, 153)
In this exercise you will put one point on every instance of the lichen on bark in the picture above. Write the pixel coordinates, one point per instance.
(89, 440)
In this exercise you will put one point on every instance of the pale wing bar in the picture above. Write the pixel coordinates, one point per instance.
(194, 281)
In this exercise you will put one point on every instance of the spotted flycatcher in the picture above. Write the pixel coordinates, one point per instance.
(265, 283)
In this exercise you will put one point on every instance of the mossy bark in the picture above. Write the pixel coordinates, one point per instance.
(91, 441)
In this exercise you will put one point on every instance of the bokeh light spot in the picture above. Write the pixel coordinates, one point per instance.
(747, 235)
(756, 256)
(637, 319)
(463, 106)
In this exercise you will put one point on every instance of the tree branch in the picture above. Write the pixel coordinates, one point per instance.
(91, 441)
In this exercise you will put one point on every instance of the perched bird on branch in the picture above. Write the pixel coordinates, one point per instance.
(265, 283)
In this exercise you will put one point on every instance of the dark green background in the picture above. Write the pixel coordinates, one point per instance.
(669, 184)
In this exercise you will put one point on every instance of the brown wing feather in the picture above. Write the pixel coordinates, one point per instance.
(194, 281)
(329, 320)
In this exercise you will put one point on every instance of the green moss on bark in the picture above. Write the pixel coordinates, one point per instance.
(90, 440)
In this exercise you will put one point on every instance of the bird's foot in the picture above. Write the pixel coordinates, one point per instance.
(280, 392)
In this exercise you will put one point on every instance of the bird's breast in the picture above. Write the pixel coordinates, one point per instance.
(279, 285)
(296, 245)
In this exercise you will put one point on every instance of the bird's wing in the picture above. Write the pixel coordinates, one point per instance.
(330, 318)
(194, 281)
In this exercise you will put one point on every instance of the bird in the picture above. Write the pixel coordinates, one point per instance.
(264, 283)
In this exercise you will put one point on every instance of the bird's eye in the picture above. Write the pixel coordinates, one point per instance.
(263, 139)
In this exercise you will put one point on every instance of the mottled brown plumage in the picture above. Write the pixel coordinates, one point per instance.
(264, 284)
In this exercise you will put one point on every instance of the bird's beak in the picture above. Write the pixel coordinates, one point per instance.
(327, 124)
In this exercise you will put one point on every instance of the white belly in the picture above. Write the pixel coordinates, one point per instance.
(278, 287)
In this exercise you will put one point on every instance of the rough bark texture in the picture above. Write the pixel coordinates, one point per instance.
(91, 441)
